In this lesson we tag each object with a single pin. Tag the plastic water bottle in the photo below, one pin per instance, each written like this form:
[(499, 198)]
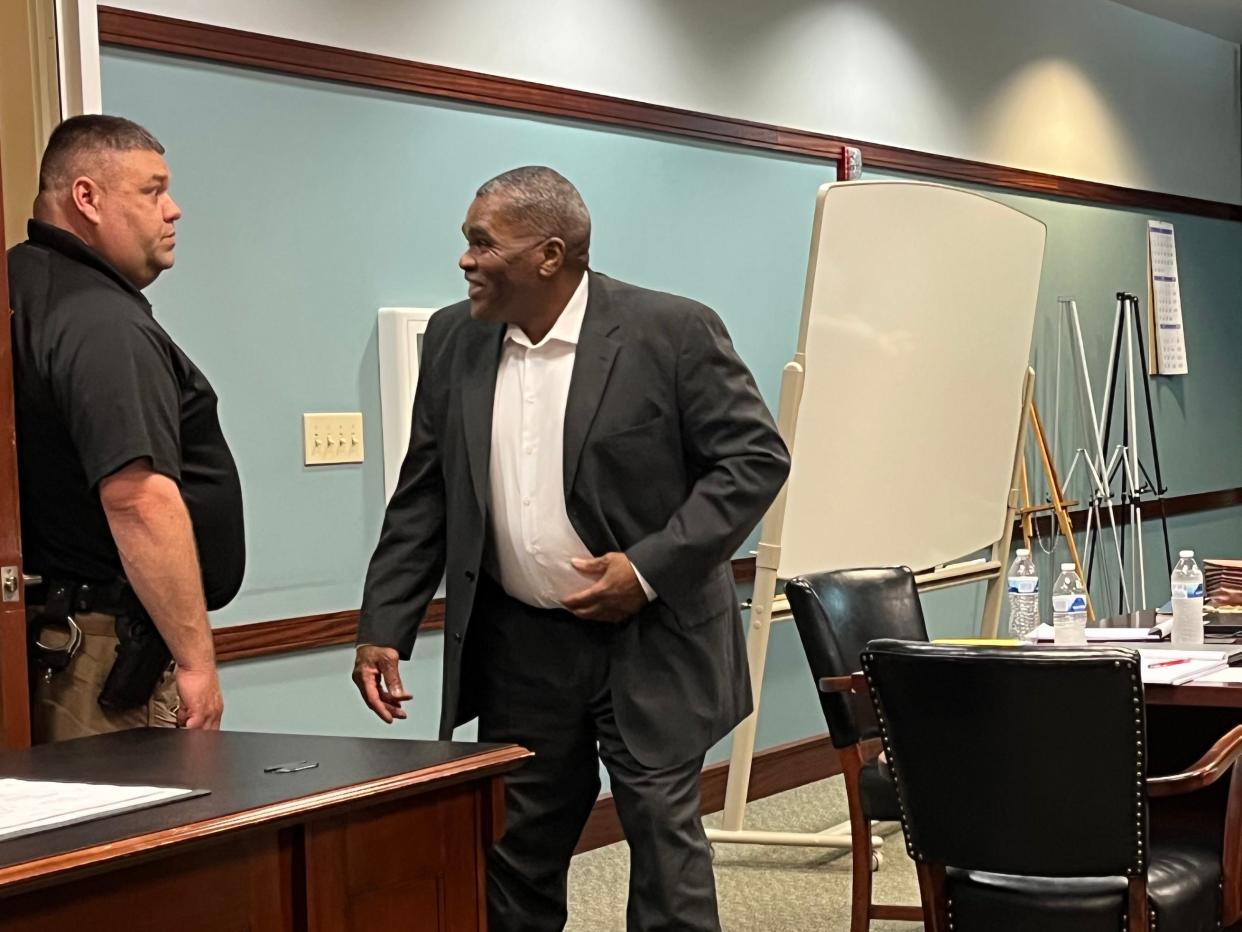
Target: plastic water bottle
[(1023, 595), (1069, 608), (1186, 585)]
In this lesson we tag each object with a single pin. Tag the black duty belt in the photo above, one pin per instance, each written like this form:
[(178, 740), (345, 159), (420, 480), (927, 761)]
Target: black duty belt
[(67, 597), (142, 657), (59, 600)]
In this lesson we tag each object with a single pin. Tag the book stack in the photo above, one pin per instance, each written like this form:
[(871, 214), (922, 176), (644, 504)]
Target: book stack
[(1222, 582)]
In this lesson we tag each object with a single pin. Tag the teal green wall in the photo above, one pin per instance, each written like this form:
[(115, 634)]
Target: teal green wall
[(310, 205)]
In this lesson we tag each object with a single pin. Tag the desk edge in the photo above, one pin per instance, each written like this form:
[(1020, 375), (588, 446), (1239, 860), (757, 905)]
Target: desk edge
[(18, 878)]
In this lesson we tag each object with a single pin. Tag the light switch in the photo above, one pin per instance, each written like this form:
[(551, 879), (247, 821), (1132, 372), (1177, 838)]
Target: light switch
[(332, 438)]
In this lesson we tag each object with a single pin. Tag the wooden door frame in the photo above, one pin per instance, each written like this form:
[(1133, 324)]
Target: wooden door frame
[(14, 675)]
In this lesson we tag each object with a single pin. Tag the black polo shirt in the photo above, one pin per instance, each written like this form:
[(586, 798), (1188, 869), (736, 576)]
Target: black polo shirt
[(99, 384)]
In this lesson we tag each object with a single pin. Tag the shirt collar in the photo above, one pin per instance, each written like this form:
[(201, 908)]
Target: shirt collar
[(71, 247), (568, 325)]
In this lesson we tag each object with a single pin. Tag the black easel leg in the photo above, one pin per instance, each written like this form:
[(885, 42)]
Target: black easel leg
[(1151, 430)]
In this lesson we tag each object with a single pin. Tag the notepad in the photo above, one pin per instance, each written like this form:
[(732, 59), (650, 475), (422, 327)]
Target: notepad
[(28, 806), (1173, 667)]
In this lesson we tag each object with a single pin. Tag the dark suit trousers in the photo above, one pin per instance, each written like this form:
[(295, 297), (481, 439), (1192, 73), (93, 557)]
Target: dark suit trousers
[(542, 681)]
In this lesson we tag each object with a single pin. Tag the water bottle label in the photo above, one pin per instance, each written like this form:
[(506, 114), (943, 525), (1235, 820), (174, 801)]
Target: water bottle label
[(1070, 603), (1187, 590), (1023, 585)]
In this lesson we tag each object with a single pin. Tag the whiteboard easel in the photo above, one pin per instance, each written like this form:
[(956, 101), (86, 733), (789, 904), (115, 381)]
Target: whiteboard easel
[(904, 410)]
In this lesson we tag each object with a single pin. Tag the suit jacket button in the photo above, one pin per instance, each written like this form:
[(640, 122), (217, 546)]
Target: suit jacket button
[(470, 575), (457, 637)]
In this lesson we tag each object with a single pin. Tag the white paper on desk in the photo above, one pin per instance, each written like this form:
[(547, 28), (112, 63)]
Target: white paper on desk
[(1045, 632), (1226, 675), (1165, 302), (1190, 665), (28, 806)]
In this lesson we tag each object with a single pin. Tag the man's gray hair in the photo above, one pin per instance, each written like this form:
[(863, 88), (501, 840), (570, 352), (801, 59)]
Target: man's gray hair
[(547, 202), (81, 140)]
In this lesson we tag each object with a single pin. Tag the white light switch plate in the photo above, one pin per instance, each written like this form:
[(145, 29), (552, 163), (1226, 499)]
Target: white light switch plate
[(332, 438)]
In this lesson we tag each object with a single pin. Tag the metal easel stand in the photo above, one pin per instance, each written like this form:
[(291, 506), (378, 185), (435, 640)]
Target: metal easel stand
[(767, 607), (1093, 460), (1124, 464)]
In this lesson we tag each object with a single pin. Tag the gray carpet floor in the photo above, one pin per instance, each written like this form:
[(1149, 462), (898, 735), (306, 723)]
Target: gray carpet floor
[(761, 888)]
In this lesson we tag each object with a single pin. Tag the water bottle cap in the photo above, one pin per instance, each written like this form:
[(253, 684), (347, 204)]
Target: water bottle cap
[(1185, 553), (1022, 552), (1066, 567)]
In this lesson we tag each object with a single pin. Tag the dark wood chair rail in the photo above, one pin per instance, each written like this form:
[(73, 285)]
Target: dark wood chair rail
[(288, 56)]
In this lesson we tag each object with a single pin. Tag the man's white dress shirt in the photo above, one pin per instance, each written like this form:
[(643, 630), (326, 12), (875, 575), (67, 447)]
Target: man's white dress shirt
[(533, 538)]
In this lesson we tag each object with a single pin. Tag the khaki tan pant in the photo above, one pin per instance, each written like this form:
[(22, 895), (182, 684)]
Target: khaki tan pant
[(66, 704)]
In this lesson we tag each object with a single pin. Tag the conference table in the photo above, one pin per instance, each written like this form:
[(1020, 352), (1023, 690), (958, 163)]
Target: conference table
[(1223, 696), (295, 833)]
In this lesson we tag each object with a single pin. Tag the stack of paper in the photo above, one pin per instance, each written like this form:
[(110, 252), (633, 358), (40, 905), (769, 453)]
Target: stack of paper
[(28, 806), (1176, 667), (1222, 580)]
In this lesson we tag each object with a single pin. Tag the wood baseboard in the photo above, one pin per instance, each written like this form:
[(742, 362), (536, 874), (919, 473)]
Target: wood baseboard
[(774, 770)]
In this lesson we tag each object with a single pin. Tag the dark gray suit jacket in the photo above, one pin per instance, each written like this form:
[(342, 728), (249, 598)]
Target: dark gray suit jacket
[(670, 455)]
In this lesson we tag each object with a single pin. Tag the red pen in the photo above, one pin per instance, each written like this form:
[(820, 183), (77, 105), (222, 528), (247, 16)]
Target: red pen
[(1169, 663)]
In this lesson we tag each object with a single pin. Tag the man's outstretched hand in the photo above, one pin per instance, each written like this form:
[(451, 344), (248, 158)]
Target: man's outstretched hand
[(376, 676), (614, 596)]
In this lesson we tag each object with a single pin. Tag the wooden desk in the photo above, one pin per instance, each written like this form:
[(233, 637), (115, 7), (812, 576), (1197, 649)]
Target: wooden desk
[(383, 834), (1210, 696)]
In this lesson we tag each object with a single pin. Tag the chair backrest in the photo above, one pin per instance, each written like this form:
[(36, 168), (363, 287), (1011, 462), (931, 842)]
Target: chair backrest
[(837, 613), (1016, 760)]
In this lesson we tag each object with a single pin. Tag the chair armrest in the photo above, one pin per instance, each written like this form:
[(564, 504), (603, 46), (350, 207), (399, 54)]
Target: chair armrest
[(1231, 856), (836, 684), (1204, 772), (854, 683)]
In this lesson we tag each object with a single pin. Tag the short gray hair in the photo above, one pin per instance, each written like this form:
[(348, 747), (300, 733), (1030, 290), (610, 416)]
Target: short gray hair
[(546, 201), (89, 136)]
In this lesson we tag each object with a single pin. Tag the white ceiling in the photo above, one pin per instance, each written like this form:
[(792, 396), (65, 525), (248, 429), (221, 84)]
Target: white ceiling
[(1218, 17)]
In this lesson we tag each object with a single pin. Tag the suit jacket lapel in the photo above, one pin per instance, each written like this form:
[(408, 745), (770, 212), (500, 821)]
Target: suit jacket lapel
[(597, 348), (478, 396)]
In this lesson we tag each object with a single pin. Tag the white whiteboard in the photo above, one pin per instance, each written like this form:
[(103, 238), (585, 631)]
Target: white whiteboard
[(916, 327), (400, 332)]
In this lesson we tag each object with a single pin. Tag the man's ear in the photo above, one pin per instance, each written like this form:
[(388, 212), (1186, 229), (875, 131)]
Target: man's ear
[(552, 256), (87, 195)]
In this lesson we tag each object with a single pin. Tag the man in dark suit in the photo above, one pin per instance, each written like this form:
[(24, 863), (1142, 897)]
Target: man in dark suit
[(585, 458)]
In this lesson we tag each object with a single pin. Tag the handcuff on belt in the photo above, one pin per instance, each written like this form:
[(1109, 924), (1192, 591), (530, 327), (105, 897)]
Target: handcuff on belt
[(57, 611)]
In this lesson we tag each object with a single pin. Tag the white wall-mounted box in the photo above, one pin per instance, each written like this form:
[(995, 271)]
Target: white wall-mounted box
[(400, 338)]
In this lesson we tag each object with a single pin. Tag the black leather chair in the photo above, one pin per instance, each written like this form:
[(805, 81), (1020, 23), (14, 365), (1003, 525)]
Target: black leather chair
[(1023, 787), (837, 613)]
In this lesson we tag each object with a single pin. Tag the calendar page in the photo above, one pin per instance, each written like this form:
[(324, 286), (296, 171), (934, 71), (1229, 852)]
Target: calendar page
[(1168, 338)]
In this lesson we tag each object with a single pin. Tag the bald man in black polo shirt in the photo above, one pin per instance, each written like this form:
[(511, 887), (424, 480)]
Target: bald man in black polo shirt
[(131, 502)]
